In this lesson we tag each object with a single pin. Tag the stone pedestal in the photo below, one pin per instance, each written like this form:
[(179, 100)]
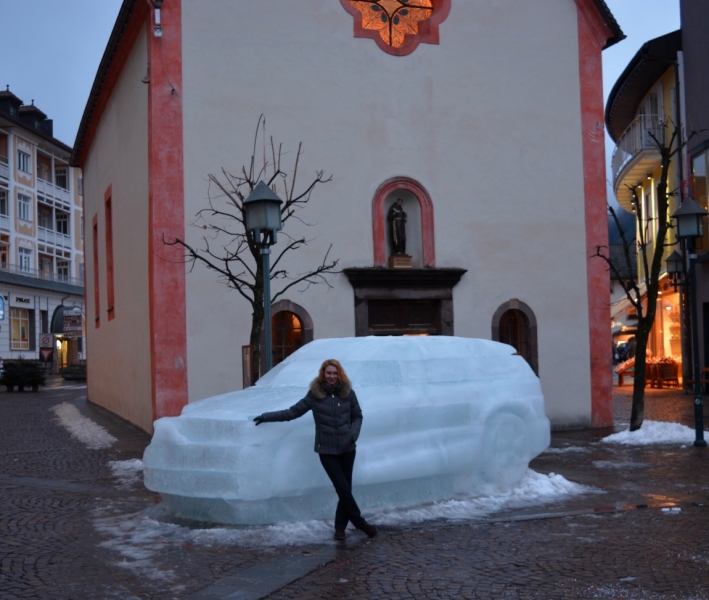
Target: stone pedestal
[(400, 261)]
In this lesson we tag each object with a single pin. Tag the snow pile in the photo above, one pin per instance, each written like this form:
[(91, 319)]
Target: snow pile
[(127, 472), (653, 432), (85, 430), (139, 537), (533, 490)]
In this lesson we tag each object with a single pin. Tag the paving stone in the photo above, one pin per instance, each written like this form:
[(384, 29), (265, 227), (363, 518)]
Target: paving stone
[(54, 492)]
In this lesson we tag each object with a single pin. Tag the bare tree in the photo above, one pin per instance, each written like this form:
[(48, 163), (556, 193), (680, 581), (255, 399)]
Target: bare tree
[(227, 249), (651, 259)]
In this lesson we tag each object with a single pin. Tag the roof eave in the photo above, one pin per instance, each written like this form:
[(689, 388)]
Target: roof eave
[(654, 53), (611, 23)]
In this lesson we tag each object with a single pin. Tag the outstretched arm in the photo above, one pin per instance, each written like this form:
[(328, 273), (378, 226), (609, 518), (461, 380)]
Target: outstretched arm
[(295, 411)]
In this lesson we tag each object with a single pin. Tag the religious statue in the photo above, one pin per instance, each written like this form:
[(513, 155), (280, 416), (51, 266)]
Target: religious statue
[(397, 222)]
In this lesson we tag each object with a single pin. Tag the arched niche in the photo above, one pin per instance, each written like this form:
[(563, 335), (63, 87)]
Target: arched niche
[(506, 312), (412, 192), (300, 312)]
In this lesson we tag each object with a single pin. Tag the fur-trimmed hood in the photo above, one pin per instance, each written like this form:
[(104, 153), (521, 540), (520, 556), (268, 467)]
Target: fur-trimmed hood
[(319, 393)]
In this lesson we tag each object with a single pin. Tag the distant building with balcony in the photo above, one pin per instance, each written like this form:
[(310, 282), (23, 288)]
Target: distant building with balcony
[(644, 108), (695, 66), (41, 239)]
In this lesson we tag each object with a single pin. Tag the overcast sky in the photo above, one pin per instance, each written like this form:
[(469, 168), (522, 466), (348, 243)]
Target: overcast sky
[(52, 48)]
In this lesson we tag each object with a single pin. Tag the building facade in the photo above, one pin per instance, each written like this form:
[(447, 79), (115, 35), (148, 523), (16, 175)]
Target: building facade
[(643, 109), (694, 16), (464, 110), (41, 243), (665, 87)]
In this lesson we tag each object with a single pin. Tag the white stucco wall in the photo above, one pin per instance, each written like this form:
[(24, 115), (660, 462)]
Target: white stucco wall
[(488, 122), (119, 363)]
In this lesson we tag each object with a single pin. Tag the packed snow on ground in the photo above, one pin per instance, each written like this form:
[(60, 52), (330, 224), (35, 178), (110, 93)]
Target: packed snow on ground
[(127, 472), (609, 464), (566, 450), (653, 432), (83, 429), (140, 538)]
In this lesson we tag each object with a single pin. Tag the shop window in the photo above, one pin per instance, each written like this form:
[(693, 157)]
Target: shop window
[(19, 329), (286, 335)]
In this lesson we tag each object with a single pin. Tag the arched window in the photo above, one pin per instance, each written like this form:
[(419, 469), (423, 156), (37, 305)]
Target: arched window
[(514, 330), (286, 335), (514, 323)]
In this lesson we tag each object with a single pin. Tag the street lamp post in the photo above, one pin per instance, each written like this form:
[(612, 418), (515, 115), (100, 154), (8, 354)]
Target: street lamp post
[(690, 218), (262, 217)]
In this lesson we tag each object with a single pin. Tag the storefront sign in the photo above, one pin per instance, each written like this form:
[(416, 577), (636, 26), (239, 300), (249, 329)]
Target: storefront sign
[(2, 308), (72, 323), (20, 300)]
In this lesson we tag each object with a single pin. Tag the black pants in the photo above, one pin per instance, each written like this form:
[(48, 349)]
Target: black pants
[(339, 469)]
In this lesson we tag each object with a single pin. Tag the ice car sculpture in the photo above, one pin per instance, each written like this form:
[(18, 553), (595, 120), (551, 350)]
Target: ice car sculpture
[(443, 417)]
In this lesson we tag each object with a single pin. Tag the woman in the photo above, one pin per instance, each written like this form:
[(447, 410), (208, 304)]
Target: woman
[(338, 419)]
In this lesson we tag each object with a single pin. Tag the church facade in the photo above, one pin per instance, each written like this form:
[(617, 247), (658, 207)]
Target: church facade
[(472, 130)]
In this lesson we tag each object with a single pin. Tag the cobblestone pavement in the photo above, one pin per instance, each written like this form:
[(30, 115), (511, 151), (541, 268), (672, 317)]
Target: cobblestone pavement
[(73, 529)]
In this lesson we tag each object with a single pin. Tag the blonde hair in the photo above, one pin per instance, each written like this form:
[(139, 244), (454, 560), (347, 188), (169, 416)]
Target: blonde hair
[(341, 375)]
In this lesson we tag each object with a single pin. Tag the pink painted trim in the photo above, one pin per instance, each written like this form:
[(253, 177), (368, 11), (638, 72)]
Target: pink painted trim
[(97, 292), (428, 29), (379, 219), (593, 34), (108, 218), (168, 312)]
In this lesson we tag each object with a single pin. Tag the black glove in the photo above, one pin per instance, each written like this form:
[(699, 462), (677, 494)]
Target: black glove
[(258, 420)]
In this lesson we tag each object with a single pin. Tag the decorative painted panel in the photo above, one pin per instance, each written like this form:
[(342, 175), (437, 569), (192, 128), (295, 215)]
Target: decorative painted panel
[(398, 26)]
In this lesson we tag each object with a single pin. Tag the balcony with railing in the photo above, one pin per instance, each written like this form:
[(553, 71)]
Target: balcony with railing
[(49, 190), (636, 154), (53, 238), (5, 224), (45, 274), (4, 168)]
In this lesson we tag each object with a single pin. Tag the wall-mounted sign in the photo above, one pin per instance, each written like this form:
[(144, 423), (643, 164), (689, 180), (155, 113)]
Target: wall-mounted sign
[(2, 308), (72, 322), (21, 300)]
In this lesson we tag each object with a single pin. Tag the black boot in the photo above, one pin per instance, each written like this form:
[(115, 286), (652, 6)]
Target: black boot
[(370, 530), (340, 535)]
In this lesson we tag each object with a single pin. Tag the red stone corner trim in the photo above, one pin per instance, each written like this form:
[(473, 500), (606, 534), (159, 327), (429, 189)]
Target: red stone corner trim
[(427, 29), (168, 312), (593, 34), (379, 219)]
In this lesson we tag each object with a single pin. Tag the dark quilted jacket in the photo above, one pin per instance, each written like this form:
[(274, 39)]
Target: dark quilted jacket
[(337, 415)]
